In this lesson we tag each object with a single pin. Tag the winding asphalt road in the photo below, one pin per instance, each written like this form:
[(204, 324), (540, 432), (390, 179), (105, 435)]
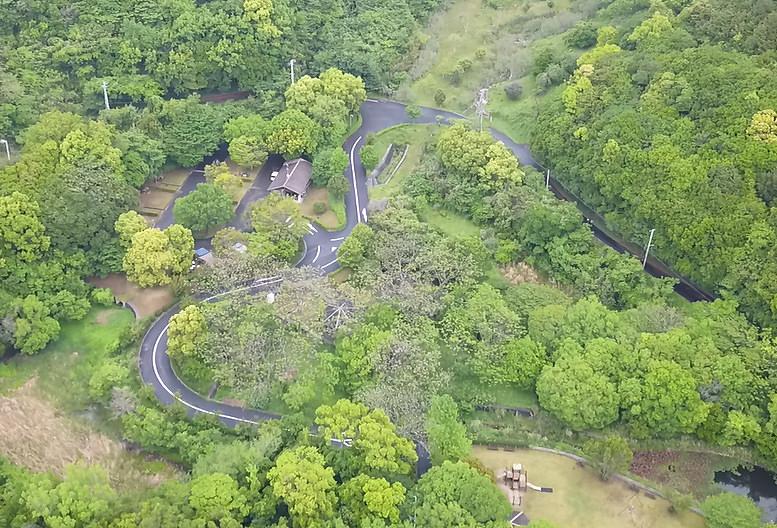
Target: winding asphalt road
[(320, 250)]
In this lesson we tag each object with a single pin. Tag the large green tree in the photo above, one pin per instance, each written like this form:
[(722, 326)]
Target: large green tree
[(205, 208)]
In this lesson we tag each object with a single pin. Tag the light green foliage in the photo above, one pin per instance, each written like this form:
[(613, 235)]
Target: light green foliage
[(127, 225), (369, 156), (279, 226), (359, 351), (376, 445), (34, 326), (109, 374), (447, 436), (187, 332), (477, 159), (22, 234), (357, 247), (366, 499), (216, 498), (728, 510), (457, 493), (251, 125), (191, 130), (292, 133), (305, 484), (155, 257), (665, 402), (230, 184), (609, 455), (206, 207), (740, 429), (328, 164), (576, 394), (248, 151), (763, 126), (83, 498)]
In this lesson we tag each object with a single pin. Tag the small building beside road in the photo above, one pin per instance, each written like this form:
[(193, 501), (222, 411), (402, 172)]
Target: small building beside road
[(292, 179)]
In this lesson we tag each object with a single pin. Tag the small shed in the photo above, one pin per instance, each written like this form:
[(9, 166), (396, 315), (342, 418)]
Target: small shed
[(203, 256), (292, 179)]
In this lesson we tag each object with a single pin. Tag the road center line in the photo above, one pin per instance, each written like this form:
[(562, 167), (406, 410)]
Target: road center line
[(318, 252)]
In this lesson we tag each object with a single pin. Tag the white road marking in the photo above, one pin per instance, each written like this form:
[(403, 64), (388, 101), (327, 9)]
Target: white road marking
[(310, 226), (328, 264), (334, 248), (304, 252), (372, 101), (270, 280), (353, 178), (338, 238), (318, 251)]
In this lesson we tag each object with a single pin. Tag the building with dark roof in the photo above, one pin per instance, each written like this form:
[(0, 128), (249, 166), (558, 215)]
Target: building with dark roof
[(292, 179)]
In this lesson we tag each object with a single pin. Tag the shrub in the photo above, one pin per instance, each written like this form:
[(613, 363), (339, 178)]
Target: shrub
[(413, 111), (369, 157), (480, 52), (319, 208), (439, 97), (464, 65), (513, 90), (731, 511), (582, 36), (102, 296)]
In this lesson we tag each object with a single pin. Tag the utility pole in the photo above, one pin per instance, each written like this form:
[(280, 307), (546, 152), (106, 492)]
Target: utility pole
[(105, 95), (480, 105), (7, 149), (647, 250), (291, 64)]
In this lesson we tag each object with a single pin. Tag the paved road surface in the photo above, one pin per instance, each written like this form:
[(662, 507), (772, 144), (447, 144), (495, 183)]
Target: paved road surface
[(320, 250)]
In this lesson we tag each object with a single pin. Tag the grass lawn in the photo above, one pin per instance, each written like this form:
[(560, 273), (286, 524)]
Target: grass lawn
[(333, 218), (418, 137), (580, 499), (450, 223)]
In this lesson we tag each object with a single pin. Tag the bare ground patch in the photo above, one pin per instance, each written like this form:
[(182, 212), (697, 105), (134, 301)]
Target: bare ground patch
[(36, 435), (144, 301)]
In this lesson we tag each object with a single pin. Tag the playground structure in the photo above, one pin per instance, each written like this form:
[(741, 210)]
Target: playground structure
[(516, 480)]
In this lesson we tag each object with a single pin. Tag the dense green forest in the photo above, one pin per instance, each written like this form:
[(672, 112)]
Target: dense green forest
[(669, 123), (58, 54), (470, 287)]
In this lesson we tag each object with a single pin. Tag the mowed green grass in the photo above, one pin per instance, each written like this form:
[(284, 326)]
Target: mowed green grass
[(580, 499), (418, 137), (63, 368)]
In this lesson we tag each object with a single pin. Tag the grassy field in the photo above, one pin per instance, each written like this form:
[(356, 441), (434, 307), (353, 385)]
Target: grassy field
[(490, 43), (418, 138), (333, 218), (580, 499), (64, 367), (48, 420)]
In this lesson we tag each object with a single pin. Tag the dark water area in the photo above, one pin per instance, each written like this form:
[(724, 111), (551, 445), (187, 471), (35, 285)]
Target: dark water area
[(756, 483)]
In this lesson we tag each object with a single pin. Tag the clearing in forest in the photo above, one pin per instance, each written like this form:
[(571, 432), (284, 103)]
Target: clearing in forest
[(36, 435), (580, 499)]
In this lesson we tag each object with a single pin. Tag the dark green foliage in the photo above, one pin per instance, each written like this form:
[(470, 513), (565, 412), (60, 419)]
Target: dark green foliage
[(582, 36), (663, 135), (205, 208), (513, 90)]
